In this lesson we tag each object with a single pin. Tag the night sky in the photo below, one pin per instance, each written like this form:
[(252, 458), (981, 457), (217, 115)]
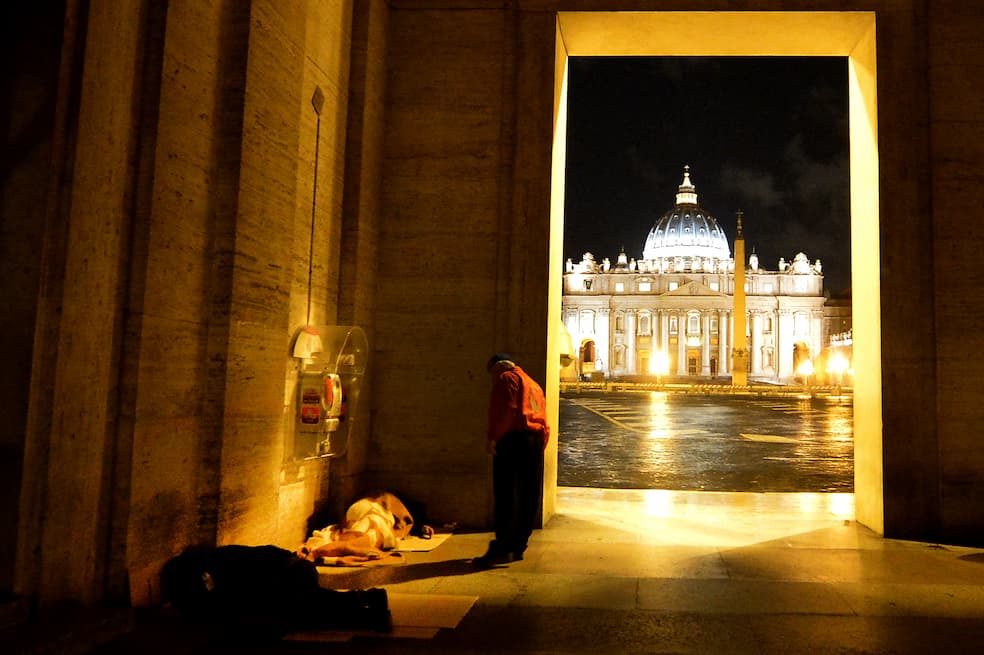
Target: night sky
[(766, 135)]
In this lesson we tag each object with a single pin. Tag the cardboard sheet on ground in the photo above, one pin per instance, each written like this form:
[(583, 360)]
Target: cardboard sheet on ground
[(393, 558), (333, 564), (421, 545), (415, 616)]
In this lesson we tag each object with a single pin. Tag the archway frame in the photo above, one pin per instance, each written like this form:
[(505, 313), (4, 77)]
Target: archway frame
[(723, 34)]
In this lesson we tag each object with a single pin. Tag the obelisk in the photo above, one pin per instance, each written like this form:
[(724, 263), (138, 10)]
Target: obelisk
[(739, 343)]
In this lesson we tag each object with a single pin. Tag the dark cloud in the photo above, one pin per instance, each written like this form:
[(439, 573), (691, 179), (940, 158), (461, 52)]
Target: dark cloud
[(757, 188)]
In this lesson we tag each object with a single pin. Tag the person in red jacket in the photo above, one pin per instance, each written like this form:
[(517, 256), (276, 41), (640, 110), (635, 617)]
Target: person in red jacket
[(517, 436)]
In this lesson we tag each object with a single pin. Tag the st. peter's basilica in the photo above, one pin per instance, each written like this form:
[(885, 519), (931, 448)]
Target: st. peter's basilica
[(670, 312)]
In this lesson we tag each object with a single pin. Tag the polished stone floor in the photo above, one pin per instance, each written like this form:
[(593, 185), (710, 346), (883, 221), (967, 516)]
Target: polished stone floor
[(627, 571)]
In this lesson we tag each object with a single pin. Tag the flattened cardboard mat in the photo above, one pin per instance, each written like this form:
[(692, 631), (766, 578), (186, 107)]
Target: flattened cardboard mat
[(415, 616), (421, 545), (395, 557)]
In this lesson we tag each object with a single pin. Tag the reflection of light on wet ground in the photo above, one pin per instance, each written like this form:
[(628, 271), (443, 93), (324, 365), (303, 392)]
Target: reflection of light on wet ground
[(708, 517), (841, 505), (767, 438), (658, 502), (656, 440)]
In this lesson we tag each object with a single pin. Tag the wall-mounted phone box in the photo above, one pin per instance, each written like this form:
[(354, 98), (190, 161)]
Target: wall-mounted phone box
[(332, 369)]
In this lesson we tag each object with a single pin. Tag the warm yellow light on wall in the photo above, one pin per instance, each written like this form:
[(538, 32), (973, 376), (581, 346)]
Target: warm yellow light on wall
[(807, 33)]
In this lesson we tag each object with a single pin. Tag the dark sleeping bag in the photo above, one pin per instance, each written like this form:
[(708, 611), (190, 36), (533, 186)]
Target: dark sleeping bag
[(265, 590)]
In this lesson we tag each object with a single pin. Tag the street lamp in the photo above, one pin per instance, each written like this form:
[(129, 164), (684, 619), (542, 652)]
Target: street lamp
[(806, 370), (836, 366), (659, 365)]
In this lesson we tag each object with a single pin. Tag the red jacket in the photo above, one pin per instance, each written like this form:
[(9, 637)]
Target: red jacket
[(517, 403)]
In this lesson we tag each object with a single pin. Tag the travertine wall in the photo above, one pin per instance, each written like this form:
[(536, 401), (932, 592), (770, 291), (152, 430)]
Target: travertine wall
[(360, 227), (955, 100), (174, 267), (26, 144), (463, 243), (444, 165), (186, 276), (927, 490)]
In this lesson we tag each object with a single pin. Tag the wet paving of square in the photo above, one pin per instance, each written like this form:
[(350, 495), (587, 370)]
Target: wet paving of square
[(655, 440)]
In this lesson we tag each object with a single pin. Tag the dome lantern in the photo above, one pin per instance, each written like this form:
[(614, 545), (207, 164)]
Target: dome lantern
[(686, 192), (687, 233)]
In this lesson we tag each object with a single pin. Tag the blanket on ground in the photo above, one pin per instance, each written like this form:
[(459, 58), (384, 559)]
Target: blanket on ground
[(373, 527)]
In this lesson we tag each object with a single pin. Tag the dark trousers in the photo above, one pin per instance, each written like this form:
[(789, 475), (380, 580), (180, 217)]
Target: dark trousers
[(517, 472)]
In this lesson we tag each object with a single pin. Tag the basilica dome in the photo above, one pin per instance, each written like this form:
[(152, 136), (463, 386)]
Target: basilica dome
[(687, 234)]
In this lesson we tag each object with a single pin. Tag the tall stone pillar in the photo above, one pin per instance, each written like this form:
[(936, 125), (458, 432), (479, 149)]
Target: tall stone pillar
[(739, 364)]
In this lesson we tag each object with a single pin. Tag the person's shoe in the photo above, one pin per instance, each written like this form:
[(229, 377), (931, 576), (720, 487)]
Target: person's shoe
[(489, 561), (494, 557)]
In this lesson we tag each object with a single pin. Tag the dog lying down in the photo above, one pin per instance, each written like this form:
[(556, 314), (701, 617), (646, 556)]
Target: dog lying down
[(373, 526)]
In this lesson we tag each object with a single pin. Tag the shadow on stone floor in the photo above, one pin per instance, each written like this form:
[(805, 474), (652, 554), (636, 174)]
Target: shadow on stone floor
[(362, 578)]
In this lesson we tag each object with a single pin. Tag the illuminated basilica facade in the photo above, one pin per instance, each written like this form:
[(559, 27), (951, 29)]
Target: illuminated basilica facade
[(671, 312)]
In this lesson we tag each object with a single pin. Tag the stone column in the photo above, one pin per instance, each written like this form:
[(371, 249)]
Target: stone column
[(784, 344), (816, 332), (664, 332), (705, 343), (603, 341), (630, 341), (755, 343), (723, 364), (681, 343), (774, 315)]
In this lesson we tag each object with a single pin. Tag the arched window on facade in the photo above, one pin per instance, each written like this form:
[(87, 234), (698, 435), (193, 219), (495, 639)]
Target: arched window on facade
[(801, 324), (693, 323), (587, 322), (768, 359), (643, 324), (619, 323)]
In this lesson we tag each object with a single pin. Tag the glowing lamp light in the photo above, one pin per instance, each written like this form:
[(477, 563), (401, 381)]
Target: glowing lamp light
[(837, 365), (806, 368), (659, 364)]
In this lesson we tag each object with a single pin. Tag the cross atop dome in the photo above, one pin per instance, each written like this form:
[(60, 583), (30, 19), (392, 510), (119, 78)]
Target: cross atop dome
[(687, 192)]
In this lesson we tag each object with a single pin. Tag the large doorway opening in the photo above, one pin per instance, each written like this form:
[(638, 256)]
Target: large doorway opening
[(829, 34)]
